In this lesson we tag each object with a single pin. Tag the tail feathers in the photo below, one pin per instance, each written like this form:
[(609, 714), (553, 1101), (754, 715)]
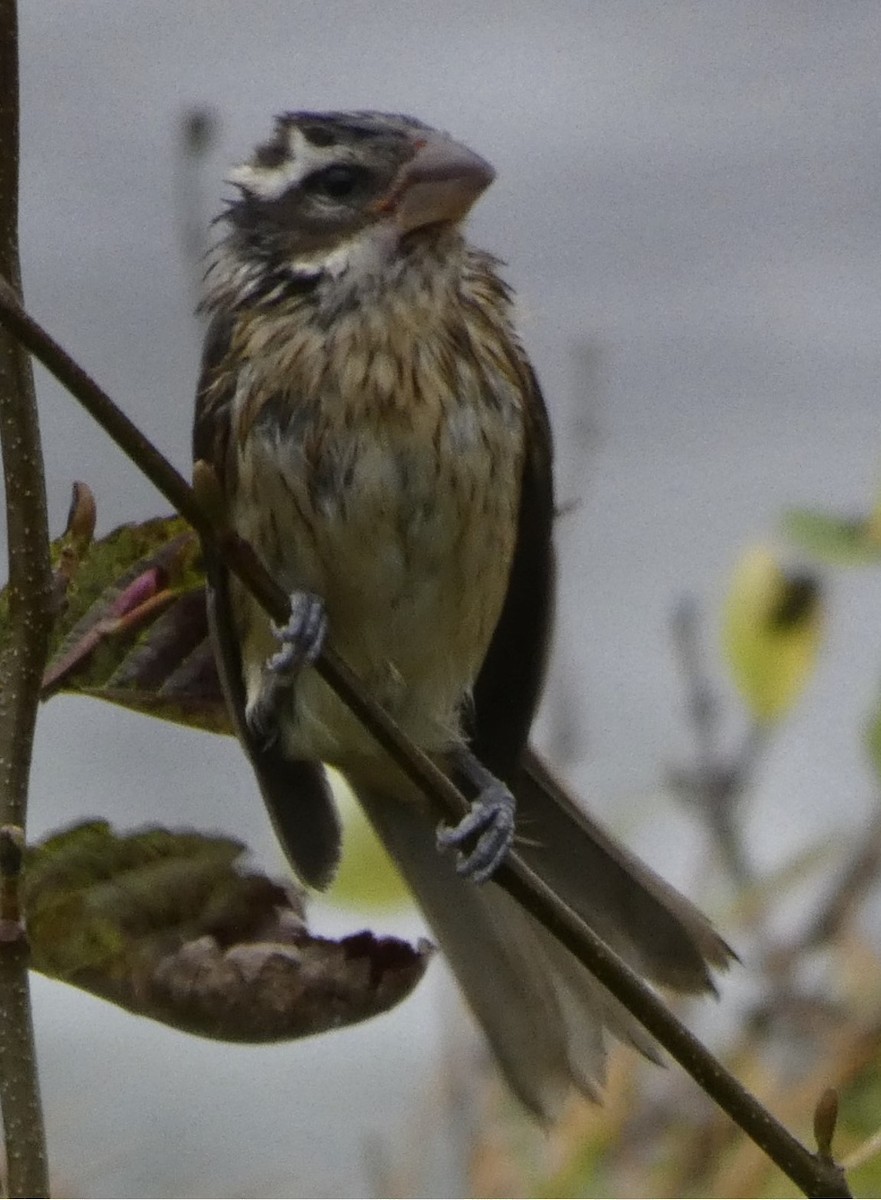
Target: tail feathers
[(541, 1010), (543, 1013), (495, 952), (647, 922)]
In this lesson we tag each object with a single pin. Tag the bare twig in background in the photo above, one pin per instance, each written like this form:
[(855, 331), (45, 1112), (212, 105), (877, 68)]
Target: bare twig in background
[(197, 134), (22, 659), (715, 786), (814, 1175), (858, 877)]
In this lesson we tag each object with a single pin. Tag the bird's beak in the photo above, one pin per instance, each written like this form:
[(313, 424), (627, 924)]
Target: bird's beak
[(439, 183)]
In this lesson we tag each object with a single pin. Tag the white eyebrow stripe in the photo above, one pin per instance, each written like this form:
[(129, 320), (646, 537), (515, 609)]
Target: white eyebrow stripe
[(269, 183)]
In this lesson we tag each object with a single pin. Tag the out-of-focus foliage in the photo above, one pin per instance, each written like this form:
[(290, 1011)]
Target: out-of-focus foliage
[(834, 540), (772, 633), (837, 541), (667, 1141), (873, 740)]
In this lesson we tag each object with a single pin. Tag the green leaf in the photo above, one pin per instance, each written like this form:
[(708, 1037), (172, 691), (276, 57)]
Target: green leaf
[(772, 633), (837, 541), (167, 925), (873, 740)]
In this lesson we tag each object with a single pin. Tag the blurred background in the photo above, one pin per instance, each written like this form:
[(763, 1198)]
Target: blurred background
[(688, 201)]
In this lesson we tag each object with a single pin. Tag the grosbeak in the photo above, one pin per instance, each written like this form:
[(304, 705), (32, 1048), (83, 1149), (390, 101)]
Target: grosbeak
[(383, 445)]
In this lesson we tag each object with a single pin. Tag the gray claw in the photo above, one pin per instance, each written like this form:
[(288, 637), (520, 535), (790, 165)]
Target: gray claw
[(302, 638), (262, 715), (491, 821)]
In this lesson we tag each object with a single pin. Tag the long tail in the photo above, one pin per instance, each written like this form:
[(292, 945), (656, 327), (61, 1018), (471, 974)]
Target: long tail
[(542, 1011)]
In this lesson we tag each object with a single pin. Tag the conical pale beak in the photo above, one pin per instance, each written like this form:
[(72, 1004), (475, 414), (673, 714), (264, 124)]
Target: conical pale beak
[(440, 183)]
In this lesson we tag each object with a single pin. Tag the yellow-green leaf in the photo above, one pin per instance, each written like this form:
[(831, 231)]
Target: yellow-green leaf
[(772, 633)]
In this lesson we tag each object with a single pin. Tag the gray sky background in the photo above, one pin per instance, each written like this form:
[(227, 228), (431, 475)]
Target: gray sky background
[(688, 193)]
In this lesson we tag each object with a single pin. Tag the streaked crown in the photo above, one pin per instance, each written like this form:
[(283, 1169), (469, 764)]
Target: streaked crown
[(340, 192)]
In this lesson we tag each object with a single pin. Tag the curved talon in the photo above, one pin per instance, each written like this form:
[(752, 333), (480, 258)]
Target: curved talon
[(491, 821), (302, 640), (262, 715)]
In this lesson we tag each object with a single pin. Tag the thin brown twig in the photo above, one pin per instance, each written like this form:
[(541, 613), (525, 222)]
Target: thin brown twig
[(814, 1175), (858, 876), (22, 659), (715, 786)]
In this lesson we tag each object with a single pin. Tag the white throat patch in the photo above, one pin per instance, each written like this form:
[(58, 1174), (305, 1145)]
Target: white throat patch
[(363, 256)]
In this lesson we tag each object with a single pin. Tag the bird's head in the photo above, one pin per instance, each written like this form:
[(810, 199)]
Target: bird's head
[(341, 193)]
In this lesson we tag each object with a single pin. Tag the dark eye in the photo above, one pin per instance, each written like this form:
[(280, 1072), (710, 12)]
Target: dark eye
[(337, 182), (319, 135)]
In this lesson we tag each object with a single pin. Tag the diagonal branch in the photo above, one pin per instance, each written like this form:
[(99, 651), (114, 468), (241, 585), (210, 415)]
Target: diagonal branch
[(814, 1174)]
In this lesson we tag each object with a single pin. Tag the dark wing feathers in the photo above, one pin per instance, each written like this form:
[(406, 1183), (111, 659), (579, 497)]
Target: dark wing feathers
[(297, 795), (645, 920), (508, 688)]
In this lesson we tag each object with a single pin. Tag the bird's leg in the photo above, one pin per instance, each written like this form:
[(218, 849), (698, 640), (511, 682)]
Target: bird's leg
[(490, 821), (301, 640)]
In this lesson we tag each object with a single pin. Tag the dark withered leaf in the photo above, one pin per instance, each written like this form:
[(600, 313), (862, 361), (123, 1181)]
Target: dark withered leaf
[(166, 924), (131, 625)]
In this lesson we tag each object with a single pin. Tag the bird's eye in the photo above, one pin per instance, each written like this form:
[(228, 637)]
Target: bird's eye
[(337, 182)]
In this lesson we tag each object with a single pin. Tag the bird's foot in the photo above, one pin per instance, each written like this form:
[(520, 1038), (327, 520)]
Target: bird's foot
[(301, 641), (302, 637), (490, 821)]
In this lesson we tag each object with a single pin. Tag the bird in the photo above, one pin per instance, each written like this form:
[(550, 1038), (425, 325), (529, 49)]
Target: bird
[(381, 441)]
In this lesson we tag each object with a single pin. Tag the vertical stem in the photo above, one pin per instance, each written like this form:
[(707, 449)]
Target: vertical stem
[(22, 658)]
